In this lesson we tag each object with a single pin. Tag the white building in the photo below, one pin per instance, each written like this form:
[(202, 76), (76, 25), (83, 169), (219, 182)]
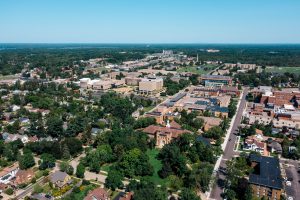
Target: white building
[(8, 173)]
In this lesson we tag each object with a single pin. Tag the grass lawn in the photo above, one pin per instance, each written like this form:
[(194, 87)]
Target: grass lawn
[(284, 69), (83, 191), (105, 167), (146, 109), (194, 69), (157, 165)]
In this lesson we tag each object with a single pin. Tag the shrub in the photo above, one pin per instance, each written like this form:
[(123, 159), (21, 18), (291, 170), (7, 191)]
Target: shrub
[(33, 180), (85, 182), (9, 191)]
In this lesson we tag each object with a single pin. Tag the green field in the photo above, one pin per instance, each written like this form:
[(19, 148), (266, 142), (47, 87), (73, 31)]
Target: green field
[(205, 70), (282, 70), (157, 165)]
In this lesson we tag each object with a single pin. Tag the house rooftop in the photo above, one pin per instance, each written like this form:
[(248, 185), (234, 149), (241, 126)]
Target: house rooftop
[(58, 176)]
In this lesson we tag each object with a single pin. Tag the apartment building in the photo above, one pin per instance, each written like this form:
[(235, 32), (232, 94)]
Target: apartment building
[(265, 180)]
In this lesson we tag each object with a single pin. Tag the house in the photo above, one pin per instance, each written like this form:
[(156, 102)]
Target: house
[(294, 133), (255, 142), (60, 179), (8, 173), (13, 137), (164, 135), (24, 121), (252, 144), (95, 131), (265, 180), (24, 176), (125, 196), (275, 147), (97, 194), (275, 131)]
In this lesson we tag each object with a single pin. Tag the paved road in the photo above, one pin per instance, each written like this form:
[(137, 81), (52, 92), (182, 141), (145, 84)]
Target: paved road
[(229, 149)]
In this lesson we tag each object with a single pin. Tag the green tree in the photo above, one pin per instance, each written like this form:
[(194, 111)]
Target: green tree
[(114, 180), (147, 190), (66, 167), (9, 191), (54, 126), (26, 160), (47, 161), (188, 194), (80, 170), (135, 162)]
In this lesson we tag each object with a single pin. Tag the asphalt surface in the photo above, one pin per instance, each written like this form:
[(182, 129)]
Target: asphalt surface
[(229, 150), (291, 168)]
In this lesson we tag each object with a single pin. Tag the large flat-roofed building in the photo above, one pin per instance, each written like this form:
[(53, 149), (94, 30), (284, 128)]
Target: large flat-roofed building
[(133, 81), (99, 84), (215, 80), (150, 85), (266, 180)]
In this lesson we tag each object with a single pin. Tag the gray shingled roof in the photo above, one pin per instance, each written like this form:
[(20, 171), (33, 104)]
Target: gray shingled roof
[(58, 176)]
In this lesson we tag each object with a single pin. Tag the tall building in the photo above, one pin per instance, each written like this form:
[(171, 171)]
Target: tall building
[(150, 85)]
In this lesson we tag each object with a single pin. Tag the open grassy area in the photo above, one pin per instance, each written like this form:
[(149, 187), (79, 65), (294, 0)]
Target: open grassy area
[(282, 70), (146, 109), (157, 165), (205, 69), (105, 167)]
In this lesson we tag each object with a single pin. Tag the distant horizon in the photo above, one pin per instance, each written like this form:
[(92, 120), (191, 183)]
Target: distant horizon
[(145, 43)]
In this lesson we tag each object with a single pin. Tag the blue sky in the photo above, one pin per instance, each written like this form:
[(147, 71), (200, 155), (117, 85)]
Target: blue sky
[(150, 21)]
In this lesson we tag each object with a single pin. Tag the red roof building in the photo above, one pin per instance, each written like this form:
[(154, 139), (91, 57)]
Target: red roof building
[(164, 135)]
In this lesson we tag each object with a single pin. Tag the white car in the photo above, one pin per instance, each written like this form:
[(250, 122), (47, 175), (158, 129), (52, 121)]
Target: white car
[(288, 183)]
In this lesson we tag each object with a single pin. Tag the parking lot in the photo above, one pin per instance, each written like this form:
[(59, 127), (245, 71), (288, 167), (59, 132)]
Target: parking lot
[(293, 177)]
